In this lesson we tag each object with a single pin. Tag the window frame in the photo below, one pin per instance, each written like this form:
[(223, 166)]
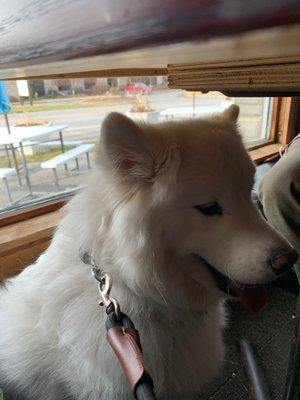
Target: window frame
[(33, 211), (284, 122)]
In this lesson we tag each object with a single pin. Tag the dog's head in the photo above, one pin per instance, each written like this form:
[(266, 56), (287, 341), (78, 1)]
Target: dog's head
[(181, 195)]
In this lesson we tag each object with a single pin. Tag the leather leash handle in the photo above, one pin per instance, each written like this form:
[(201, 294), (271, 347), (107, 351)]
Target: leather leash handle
[(125, 342)]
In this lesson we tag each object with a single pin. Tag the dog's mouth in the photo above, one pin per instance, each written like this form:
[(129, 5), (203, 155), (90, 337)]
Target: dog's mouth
[(253, 297)]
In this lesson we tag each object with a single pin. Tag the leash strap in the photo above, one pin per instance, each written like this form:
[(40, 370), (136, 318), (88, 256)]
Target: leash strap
[(125, 342)]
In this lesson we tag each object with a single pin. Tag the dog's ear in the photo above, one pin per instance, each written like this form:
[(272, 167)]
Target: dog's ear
[(232, 113), (126, 147)]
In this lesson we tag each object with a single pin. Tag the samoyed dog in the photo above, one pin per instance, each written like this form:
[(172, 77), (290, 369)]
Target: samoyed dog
[(168, 213)]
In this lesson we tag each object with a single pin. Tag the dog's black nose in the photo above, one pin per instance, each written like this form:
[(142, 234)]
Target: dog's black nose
[(283, 262)]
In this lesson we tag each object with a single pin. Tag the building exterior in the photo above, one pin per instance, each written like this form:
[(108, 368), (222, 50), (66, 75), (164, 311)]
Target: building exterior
[(61, 87)]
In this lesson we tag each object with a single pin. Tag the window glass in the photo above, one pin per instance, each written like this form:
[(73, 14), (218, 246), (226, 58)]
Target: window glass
[(49, 131)]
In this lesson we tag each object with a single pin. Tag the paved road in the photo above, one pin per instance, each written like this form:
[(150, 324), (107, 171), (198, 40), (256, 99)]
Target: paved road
[(85, 123)]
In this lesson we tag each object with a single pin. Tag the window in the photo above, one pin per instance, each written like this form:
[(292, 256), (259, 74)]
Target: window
[(255, 118), (56, 127)]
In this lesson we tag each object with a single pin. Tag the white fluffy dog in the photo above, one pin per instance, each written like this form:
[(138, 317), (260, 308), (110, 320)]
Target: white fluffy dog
[(167, 212)]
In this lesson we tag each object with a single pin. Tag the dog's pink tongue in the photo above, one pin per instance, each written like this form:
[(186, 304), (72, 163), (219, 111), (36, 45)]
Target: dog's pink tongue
[(254, 299)]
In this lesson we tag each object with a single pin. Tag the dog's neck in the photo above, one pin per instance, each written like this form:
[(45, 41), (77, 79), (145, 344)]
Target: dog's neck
[(141, 268), (151, 289)]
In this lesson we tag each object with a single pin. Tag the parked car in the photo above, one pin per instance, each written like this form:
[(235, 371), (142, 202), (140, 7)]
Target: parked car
[(65, 92), (137, 87)]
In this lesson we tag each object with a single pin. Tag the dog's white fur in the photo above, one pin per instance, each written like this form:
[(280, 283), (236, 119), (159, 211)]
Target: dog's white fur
[(137, 216)]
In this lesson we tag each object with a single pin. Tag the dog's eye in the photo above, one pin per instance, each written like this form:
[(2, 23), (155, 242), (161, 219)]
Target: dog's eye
[(212, 208)]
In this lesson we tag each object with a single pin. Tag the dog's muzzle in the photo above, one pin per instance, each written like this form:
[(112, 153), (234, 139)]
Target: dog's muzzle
[(253, 297)]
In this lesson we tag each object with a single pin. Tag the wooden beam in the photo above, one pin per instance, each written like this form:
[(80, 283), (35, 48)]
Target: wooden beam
[(289, 119), (260, 74)]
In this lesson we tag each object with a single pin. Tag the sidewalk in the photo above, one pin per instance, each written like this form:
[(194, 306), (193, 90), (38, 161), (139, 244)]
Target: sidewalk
[(42, 181)]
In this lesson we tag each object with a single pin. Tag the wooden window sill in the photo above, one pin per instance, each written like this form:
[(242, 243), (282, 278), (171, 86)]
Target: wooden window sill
[(22, 242), (262, 153)]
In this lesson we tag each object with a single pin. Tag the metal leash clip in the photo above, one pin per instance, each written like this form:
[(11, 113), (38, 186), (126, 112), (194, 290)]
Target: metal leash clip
[(105, 285)]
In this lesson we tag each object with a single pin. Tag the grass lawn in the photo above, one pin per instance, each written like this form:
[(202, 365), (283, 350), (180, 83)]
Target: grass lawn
[(18, 108), (43, 156), (33, 158)]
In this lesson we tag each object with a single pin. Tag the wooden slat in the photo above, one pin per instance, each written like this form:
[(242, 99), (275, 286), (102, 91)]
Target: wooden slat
[(253, 62), (281, 74)]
